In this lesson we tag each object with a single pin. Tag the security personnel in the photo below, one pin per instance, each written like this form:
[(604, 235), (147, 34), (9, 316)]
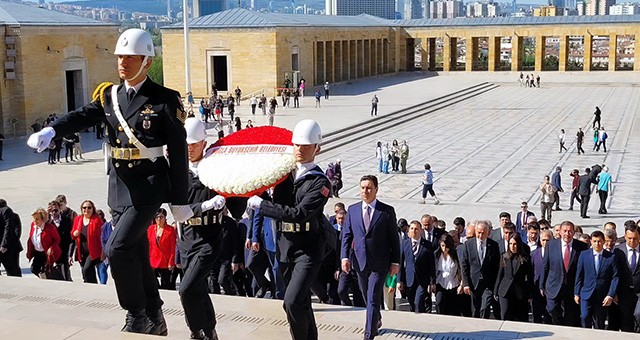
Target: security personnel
[(142, 118), (297, 206), (200, 240)]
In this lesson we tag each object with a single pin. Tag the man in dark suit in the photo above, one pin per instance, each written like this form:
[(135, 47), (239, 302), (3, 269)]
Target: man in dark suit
[(498, 234), (508, 231), (521, 218), (417, 268), (64, 225), (596, 282), (480, 264), (539, 303), (627, 255), (584, 190), (142, 118), (10, 246), (559, 276), (347, 282), (430, 232), (371, 227)]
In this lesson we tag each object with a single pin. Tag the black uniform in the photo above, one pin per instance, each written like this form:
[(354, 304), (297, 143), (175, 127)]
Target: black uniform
[(10, 230), (300, 252), (138, 187)]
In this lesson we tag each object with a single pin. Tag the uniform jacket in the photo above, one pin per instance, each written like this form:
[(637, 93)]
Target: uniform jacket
[(145, 182), (602, 284), (376, 249), (300, 201), (629, 281), (473, 271), (94, 234), (232, 246), (554, 275), (162, 252), (515, 278), (420, 269), (9, 227), (49, 239)]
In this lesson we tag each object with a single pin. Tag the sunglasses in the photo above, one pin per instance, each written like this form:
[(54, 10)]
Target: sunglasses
[(88, 207)]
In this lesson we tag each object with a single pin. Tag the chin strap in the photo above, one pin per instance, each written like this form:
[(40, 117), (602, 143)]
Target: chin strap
[(144, 63)]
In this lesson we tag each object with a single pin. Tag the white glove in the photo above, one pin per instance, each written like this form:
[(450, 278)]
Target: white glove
[(216, 203), (254, 202), (181, 213), (40, 140)]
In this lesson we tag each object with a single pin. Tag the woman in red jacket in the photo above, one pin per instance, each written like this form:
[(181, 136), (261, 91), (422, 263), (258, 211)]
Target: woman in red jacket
[(86, 232), (43, 245), (162, 248)]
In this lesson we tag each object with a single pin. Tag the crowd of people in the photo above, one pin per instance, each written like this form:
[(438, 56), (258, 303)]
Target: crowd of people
[(396, 155)]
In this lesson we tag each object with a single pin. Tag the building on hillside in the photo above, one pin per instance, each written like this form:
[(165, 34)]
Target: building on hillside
[(380, 8), (52, 63), (599, 7), (440, 9), (625, 9), (548, 11)]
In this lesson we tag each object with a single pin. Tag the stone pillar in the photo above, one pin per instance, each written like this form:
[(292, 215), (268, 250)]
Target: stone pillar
[(432, 54), (588, 45), (517, 52), (424, 51), (494, 54), (613, 52), (636, 52), (446, 53), (563, 54), (471, 53), (541, 42)]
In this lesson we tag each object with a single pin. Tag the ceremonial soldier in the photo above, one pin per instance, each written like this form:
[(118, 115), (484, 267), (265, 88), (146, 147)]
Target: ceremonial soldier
[(200, 240), (142, 118), (297, 206)]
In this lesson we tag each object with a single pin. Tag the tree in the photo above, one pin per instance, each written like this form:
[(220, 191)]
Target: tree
[(155, 71)]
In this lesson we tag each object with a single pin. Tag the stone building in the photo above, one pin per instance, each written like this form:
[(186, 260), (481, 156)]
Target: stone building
[(52, 63)]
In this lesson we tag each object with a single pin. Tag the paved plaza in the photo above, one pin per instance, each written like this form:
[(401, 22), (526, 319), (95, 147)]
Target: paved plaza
[(488, 154)]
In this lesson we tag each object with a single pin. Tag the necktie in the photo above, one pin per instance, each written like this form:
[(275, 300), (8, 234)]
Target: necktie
[(130, 94), (567, 257), (634, 261), (597, 263), (414, 248), (367, 218), (481, 251)]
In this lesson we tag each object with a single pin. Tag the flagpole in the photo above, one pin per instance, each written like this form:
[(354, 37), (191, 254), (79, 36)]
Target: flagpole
[(187, 59)]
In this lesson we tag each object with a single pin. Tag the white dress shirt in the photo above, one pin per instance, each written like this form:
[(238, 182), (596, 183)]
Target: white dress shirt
[(36, 239), (533, 245), (446, 270), (136, 87)]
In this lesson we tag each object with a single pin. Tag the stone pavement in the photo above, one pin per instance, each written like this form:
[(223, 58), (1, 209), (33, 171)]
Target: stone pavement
[(36, 309)]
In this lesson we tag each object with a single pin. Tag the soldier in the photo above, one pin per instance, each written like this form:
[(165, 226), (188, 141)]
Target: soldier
[(200, 240), (297, 206), (142, 118)]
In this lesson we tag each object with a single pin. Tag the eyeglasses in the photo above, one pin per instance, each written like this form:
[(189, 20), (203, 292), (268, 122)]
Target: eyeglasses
[(54, 210), (87, 207)]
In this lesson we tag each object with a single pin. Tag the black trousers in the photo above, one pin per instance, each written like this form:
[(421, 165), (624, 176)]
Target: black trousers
[(299, 276), (580, 149), (574, 197), (10, 260), (539, 309), (629, 310), (349, 282), (447, 302), (165, 278), (90, 270), (68, 152), (481, 303), (128, 250), (514, 309), (258, 263), (603, 201), (225, 278), (584, 204), (194, 295), (38, 262)]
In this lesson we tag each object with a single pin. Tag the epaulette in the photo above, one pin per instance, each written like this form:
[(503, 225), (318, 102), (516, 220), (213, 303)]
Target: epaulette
[(98, 93)]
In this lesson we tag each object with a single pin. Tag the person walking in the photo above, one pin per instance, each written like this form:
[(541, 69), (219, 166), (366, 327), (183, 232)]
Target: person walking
[(137, 107), (374, 105), (297, 205), (556, 181), (596, 118), (10, 246), (547, 196), (417, 268), (317, 95), (514, 285), (561, 139), (162, 248), (602, 140), (395, 155), (263, 104), (326, 90), (427, 184), (87, 246), (379, 155), (574, 187), (253, 102), (273, 104), (404, 156), (580, 140), (604, 188), (596, 138), (386, 156), (584, 190)]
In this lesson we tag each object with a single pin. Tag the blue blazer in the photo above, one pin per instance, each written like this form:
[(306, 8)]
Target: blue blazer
[(538, 265), (376, 249), (603, 284), (554, 274), (422, 268), (263, 231)]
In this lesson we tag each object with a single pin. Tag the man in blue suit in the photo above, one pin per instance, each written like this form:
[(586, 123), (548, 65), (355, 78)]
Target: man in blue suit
[(596, 282), (371, 227), (264, 234), (539, 303), (559, 276), (417, 268), (521, 219)]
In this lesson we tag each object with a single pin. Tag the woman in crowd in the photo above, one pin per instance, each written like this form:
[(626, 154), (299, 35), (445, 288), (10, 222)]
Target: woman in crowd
[(87, 230), (514, 285), (395, 155), (238, 124), (379, 155), (162, 248), (427, 184), (43, 245), (386, 156), (448, 277)]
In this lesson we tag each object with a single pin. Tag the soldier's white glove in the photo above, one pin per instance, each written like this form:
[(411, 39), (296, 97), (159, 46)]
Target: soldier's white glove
[(216, 203), (181, 213), (40, 140), (254, 202)]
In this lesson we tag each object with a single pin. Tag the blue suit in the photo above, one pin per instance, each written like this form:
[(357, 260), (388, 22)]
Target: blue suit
[(592, 287), (375, 250), (264, 233), (417, 272), (539, 303)]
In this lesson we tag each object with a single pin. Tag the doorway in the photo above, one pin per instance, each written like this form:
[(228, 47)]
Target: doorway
[(220, 72), (75, 96)]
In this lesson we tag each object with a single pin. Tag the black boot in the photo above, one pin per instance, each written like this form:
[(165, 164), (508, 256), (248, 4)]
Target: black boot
[(137, 322), (159, 324)]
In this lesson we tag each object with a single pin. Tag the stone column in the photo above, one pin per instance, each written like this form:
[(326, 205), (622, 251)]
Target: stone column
[(432, 54), (446, 53), (471, 54), (563, 54), (424, 51), (636, 53), (613, 52), (494, 54), (588, 45), (541, 42), (517, 53)]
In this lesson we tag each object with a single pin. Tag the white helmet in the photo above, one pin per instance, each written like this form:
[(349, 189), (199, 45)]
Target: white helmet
[(196, 131), (135, 41), (306, 132)]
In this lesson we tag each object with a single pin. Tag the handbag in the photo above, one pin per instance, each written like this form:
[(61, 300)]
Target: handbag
[(52, 272)]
